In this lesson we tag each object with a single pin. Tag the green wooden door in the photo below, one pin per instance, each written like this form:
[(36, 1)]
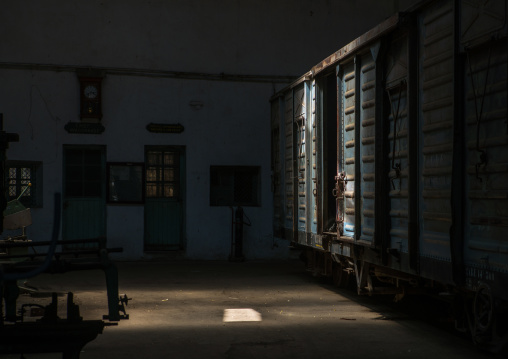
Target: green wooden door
[(84, 203), (164, 198)]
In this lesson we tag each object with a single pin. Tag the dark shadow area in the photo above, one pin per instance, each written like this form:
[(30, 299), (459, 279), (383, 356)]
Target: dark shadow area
[(177, 311)]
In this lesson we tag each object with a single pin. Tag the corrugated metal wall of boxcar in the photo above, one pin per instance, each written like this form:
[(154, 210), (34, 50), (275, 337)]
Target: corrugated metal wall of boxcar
[(347, 166), (358, 151), (314, 183), (436, 61), (396, 90), (367, 132), (300, 123), (288, 165), (277, 175), (486, 96)]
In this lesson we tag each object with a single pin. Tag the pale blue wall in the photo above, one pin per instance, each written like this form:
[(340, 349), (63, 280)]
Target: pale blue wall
[(269, 37)]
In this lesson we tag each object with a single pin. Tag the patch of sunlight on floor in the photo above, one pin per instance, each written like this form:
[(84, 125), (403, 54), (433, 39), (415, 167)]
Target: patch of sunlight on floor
[(241, 315)]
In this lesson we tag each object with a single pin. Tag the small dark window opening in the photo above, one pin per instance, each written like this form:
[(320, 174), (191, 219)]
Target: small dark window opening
[(19, 175), (235, 186), (84, 170)]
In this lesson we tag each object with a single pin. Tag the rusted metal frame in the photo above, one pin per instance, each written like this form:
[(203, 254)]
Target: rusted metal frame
[(458, 166), (412, 123), (306, 77), (358, 154)]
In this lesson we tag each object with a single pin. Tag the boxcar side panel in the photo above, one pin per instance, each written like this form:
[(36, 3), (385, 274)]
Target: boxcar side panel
[(288, 164), (436, 129), (486, 127), (314, 182), (397, 93), (367, 143)]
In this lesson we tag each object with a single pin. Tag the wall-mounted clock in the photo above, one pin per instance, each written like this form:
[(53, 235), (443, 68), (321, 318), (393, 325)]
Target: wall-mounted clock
[(90, 98)]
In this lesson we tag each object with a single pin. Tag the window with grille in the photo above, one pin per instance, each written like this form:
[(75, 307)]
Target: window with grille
[(235, 186), (162, 173), (19, 176)]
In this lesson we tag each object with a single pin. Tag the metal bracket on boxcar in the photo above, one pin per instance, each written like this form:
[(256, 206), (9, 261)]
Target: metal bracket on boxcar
[(340, 184)]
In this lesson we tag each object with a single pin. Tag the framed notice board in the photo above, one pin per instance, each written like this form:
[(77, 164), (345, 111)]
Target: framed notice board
[(126, 183)]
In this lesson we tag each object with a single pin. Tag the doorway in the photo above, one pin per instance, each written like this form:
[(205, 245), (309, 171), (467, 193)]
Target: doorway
[(84, 199), (164, 205)]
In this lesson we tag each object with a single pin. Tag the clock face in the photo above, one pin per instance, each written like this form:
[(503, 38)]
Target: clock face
[(90, 98), (91, 91)]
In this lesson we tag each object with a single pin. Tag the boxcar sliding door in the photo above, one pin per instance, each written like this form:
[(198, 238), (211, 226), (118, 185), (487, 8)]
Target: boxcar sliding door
[(357, 153)]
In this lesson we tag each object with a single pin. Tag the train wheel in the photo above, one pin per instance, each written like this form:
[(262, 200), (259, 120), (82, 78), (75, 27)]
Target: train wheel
[(339, 276), (483, 308)]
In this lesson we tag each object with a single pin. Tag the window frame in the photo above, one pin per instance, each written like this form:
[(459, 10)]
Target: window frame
[(159, 183), (36, 179)]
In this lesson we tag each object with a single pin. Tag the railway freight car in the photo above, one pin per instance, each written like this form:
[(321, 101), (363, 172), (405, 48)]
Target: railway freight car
[(390, 161)]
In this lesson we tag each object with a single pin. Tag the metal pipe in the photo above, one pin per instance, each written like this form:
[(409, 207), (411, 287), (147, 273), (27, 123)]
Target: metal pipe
[(73, 253), (23, 192), (8, 244), (152, 73)]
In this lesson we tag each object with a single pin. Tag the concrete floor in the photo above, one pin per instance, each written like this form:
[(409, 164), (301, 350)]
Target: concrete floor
[(178, 307)]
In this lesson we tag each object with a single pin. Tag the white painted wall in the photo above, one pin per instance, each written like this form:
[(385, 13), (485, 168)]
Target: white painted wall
[(262, 37)]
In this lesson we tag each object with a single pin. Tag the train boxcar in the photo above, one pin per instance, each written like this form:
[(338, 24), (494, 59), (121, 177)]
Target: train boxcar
[(390, 161)]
